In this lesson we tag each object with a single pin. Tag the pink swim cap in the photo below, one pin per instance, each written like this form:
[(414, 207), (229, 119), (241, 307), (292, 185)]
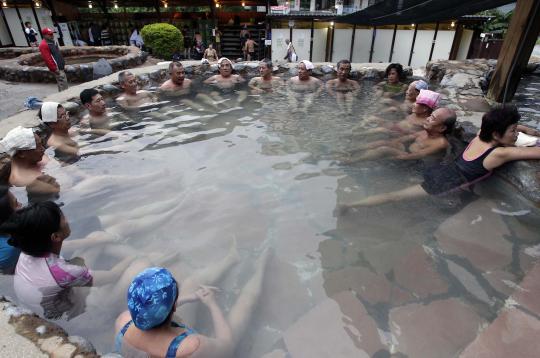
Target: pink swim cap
[(428, 98)]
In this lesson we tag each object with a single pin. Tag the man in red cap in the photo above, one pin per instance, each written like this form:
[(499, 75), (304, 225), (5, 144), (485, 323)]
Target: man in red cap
[(53, 58)]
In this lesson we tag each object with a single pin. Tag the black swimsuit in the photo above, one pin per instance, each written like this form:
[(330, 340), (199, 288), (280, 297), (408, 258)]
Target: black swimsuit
[(460, 174)]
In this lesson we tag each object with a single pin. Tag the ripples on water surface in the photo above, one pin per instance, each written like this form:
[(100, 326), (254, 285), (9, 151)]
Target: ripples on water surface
[(270, 177)]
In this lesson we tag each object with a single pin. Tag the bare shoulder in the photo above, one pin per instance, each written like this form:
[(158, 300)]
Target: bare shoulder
[(121, 321), (166, 84), (189, 345)]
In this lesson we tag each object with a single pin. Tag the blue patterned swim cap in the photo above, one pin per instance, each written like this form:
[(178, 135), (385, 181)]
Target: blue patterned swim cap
[(151, 297), (421, 85)]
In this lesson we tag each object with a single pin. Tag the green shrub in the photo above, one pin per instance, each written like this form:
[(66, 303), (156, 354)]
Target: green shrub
[(164, 39)]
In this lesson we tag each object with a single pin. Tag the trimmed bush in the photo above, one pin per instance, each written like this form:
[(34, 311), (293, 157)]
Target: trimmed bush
[(164, 39)]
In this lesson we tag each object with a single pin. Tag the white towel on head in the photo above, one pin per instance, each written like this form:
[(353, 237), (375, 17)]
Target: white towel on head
[(18, 138), (49, 112), (308, 64), (225, 59)]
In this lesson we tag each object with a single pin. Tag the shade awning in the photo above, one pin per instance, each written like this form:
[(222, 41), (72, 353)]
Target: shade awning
[(402, 12)]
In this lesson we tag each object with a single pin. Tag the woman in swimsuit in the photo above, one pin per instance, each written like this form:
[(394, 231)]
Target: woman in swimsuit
[(147, 329), (494, 146), (392, 87)]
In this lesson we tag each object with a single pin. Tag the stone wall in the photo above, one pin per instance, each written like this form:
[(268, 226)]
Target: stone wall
[(28, 66)]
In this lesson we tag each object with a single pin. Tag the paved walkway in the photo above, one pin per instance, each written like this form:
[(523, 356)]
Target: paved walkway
[(13, 94)]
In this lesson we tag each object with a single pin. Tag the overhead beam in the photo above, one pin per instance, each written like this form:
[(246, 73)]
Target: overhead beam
[(516, 50)]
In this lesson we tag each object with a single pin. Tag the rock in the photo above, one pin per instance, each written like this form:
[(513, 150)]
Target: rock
[(239, 67), (523, 175), (64, 351), (531, 67), (439, 329), (529, 290), (84, 345), (327, 69), (341, 320), (470, 283), (252, 65), (71, 107), (111, 90), (477, 234), (512, 334), (416, 272), (51, 344), (41, 330), (369, 286)]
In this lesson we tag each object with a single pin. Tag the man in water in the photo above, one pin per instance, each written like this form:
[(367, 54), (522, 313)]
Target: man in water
[(97, 120), (304, 88), (178, 82), (342, 84), (266, 82), (225, 78), (53, 58), (54, 116), (425, 103), (429, 141), (342, 88), (131, 97), (27, 161)]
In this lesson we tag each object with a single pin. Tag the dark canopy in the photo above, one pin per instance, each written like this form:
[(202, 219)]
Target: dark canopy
[(401, 12)]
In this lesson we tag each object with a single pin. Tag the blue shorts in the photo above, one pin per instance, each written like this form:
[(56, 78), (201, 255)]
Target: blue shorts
[(9, 256)]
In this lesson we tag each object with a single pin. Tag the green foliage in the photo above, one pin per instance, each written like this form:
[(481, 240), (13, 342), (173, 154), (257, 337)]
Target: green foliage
[(164, 39), (498, 24)]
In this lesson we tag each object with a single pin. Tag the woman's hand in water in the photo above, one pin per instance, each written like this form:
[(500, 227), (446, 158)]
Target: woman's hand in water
[(206, 294)]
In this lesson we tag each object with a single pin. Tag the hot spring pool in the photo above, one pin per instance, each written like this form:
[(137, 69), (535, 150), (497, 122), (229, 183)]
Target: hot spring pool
[(267, 176)]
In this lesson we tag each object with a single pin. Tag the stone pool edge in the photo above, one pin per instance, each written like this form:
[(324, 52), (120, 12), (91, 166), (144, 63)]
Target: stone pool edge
[(26, 334)]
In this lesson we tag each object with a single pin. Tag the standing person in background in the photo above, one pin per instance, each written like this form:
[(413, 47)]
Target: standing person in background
[(31, 34), (217, 41), (211, 54), (91, 41), (187, 41), (243, 37), (53, 58), (198, 47), (249, 48), (136, 39), (105, 36)]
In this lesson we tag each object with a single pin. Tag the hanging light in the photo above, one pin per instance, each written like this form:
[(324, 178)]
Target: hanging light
[(412, 25), (4, 3), (331, 23), (38, 4), (453, 24), (243, 4), (217, 5), (116, 5), (165, 5), (89, 4)]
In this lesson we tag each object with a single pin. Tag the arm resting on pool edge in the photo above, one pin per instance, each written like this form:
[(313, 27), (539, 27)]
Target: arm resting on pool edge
[(502, 155)]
